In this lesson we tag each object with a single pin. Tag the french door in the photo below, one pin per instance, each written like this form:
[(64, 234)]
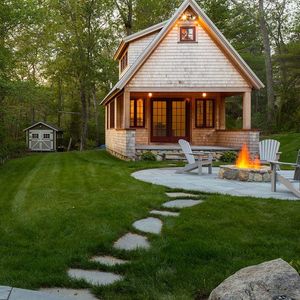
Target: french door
[(169, 120)]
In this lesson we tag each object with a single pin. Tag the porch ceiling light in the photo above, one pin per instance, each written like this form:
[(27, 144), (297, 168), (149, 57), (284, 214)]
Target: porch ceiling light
[(150, 95), (184, 17), (204, 95)]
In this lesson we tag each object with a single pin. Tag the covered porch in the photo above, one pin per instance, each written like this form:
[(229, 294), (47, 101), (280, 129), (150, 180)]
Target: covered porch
[(139, 121)]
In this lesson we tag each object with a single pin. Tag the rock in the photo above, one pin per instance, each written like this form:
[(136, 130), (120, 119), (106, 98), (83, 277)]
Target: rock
[(75, 294), (179, 195), (273, 280)]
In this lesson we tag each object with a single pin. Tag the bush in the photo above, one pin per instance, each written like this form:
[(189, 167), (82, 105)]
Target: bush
[(12, 149), (148, 156), (228, 157)]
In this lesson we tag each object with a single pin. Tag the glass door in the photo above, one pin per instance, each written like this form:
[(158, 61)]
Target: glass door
[(169, 120)]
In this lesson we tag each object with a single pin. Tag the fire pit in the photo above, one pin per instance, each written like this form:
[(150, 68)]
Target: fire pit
[(246, 169)]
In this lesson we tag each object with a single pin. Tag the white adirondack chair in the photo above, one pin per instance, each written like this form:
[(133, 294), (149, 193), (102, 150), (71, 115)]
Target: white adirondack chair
[(269, 151), (193, 163), (287, 182)]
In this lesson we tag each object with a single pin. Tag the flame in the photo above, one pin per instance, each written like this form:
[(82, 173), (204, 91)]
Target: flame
[(244, 160)]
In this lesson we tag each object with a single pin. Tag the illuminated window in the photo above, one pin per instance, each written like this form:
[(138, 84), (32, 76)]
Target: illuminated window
[(205, 112), (124, 62), (137, 113), (112, 114), (188, 34)]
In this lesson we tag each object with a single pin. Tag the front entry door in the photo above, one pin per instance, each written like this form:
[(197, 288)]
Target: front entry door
[(169, 120)]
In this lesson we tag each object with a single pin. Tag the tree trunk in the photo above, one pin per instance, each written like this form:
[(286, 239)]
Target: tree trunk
[(84, 119), (96, 115), (268, 62), (60, 102)]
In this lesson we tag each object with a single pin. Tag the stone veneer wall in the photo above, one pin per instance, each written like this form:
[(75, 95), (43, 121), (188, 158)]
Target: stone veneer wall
[(236, 138), (121, 143)]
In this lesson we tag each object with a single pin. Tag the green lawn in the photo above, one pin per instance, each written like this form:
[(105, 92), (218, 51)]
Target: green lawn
[(57, 210), (290, 144)]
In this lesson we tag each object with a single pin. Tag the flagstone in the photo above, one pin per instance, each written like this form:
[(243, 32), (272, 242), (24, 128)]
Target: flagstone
[(149, 225), (131, 241), (179, 194), (75, 294), (164, 213), (94, 277), (108, 260), (182, 203)]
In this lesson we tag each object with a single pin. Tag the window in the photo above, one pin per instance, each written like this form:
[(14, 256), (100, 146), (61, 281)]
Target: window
[(188, 34), (46, 136), (205, 112), (112, 114), (137, 113), (35, 135), (124, 62)]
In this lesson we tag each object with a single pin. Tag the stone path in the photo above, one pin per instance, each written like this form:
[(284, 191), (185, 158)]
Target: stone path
[(131, 241), (94, 277), (182, 203), (128, 242), (149, 225)]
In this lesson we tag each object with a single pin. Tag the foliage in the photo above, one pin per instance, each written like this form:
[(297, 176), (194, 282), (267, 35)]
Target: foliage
[(74, 217), (12, 149), (148, 156), (228, 157)]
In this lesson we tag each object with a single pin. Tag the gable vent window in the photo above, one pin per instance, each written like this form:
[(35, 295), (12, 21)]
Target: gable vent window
[(124, 62), (188, 34)]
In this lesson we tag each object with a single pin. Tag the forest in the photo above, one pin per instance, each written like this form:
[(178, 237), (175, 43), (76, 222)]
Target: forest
[(56, 61)]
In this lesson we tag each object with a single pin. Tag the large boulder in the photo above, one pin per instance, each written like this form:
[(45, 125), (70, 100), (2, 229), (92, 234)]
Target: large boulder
[(273, 280)]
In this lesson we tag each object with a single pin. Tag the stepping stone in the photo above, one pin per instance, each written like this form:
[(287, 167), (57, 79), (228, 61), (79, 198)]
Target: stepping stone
[(108, 261), (4, 292), (164, 213), (182, 203), (75, 294), (94, 277), (132, 241), (177, 195), (149, 225)]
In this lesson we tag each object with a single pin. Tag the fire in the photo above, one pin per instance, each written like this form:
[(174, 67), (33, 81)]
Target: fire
[(244, 160)]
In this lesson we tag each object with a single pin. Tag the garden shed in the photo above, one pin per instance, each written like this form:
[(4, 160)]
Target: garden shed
[(43, 137)]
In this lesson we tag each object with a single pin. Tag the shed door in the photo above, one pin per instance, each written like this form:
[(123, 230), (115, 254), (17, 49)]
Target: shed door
[(41, 140)]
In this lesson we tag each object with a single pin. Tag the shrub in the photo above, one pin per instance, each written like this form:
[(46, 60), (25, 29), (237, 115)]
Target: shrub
[(228, 157), (12, 149), (148, 156)]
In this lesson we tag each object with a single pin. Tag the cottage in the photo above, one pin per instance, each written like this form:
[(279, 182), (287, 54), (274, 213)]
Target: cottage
[(174, 78), (43, 137)]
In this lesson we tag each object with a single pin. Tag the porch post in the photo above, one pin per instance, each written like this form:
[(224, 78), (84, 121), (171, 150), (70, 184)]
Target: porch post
[(222, 116), (247, 110), (116, 112), (126, 109)]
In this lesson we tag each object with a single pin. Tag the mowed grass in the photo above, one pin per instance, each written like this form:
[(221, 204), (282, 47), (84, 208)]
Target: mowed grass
[(57, 210), (290, 144)]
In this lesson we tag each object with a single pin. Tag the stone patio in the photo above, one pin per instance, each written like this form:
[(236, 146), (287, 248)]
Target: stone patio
[(212, 184)]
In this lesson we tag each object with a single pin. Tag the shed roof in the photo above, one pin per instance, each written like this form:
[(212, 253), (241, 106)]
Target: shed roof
[(45, 124), (166, 26)]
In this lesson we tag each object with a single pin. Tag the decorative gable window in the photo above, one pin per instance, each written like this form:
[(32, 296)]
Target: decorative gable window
[(124, 62), (188, 34)]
